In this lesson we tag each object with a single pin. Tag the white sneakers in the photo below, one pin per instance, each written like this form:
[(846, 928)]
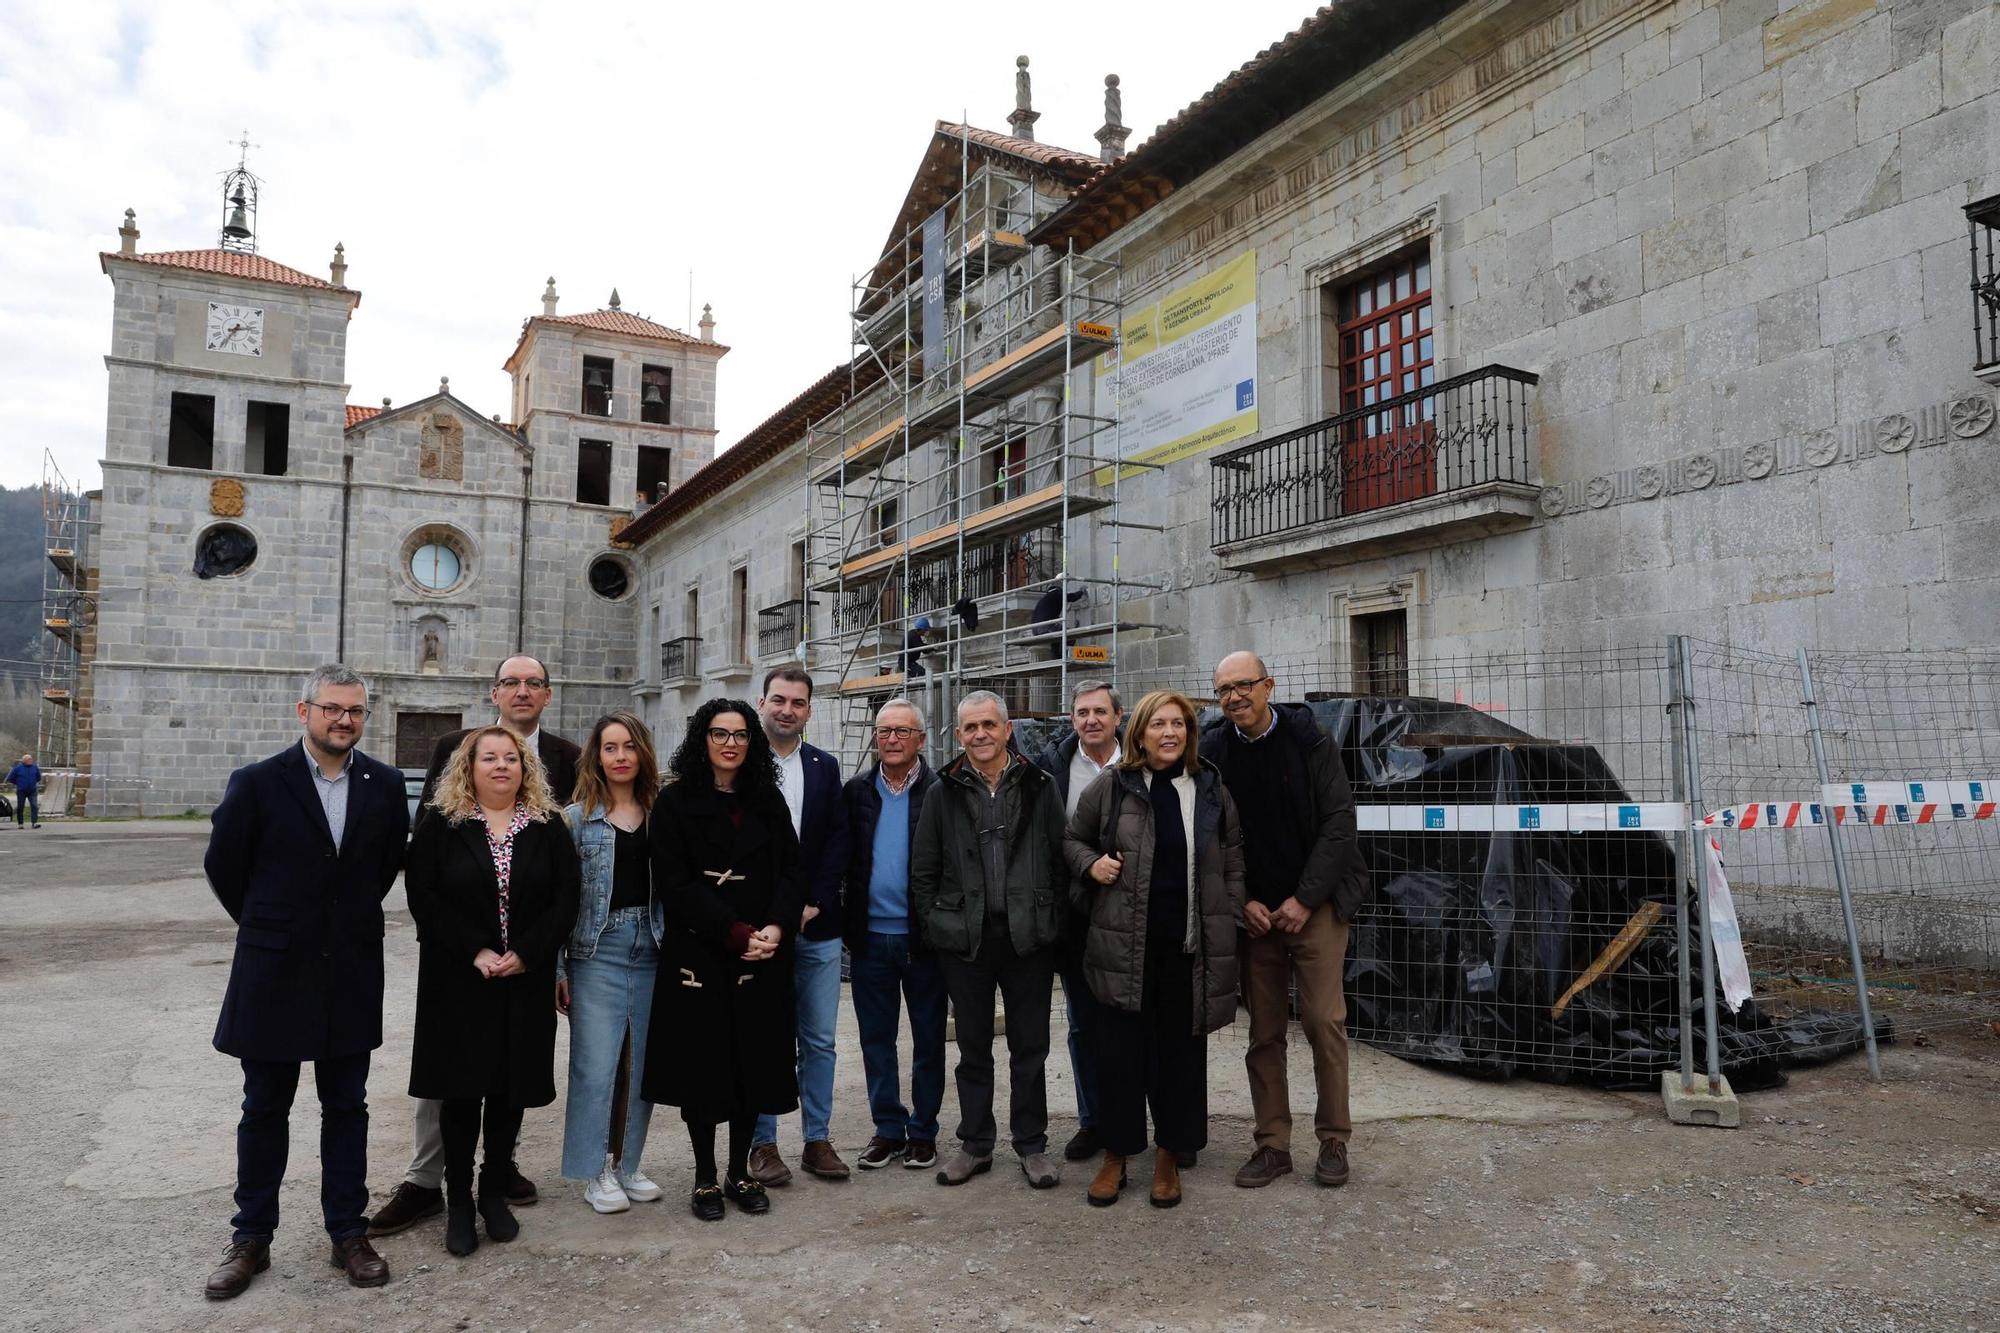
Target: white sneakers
[(637, 1188), (605, 1194), (614, 1191)]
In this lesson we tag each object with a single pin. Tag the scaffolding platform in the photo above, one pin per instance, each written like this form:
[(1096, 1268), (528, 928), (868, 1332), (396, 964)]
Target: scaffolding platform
[(1037, 509)]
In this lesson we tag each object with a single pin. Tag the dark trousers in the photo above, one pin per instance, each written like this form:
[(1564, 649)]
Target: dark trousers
[(263, 1142), (458, 1123), (1154, 1058), (27, 808), (1085, 1037), (1025, 985), (883, 976)]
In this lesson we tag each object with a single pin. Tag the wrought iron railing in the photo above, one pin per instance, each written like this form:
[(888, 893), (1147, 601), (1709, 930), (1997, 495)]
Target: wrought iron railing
[(680, 659), (1459, 433), (1983, 223), (780, 627)]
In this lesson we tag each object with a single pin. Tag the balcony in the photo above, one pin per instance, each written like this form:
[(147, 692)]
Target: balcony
[(1983, 224), (780, 628), (1447, 462), (680, 660)]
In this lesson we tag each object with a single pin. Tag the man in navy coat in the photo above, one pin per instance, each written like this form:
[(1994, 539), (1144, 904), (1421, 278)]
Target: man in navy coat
[(811, 781), (306, 844)]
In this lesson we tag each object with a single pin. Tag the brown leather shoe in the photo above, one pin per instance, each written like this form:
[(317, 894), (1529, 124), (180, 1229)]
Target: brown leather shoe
[(409, 1205), (1166, 1179), (821, 1160), (242, 1261), (365, 1268), (767, 1168), (1331, 1169), (1265, 1165), (1109, 1180)]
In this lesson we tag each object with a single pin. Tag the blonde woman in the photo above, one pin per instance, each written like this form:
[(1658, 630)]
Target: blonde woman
[(492, 883), (1157, 850), (604, 978)]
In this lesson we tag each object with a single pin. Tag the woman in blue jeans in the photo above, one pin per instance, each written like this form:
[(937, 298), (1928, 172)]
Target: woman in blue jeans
[(604, 977)]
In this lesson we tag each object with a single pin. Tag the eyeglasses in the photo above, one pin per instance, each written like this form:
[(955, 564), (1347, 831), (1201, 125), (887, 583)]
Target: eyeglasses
[(1242, 687), (718, 736), (334, 712), (512, 683), (897, 733)]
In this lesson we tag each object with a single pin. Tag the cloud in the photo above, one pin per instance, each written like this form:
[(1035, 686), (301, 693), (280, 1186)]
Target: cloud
[(463, 153)]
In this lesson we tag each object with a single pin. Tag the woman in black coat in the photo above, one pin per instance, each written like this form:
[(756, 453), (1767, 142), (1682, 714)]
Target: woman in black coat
[(721, 1044), (492, 881)]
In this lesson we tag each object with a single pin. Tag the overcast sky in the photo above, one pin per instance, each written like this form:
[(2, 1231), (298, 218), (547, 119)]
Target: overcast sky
[(465, 153)]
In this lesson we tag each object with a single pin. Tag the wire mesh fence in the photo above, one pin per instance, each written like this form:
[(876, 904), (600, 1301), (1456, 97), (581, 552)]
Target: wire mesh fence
[(1923, 885)]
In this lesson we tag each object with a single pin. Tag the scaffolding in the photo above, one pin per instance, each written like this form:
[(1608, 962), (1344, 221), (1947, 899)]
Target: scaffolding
[(68, 622), (965, 486)]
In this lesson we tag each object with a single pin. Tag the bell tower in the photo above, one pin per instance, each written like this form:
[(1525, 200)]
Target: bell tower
[(239, 202)]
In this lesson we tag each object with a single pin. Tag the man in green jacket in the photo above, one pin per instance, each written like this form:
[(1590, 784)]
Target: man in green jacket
[(989, 892)]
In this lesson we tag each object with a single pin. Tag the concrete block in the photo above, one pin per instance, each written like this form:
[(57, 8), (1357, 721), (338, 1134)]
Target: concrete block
[(1900, 97), (1883, 296)]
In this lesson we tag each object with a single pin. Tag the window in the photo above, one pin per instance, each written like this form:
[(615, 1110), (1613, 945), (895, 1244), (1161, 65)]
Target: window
[(691, 625), (436, 567), (885, 522), (593, 472), (222, 550), (1382, 652), (653, 625), (798, 571), (655, 473), (191, 431), (739, 614), (610, 577), (596, 387), (656, 391), (266, 439), (1387, 350)]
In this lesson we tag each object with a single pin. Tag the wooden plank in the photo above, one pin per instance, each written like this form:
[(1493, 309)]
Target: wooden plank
[(1614, 953), (866, 684), (986, 518)]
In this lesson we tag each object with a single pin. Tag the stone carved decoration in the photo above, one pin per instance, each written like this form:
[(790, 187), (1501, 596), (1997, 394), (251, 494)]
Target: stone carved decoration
[(441, 452), (1971, 416), (619, 523), (1967, 418), (430, 646), (225, 497), (1895, 433)]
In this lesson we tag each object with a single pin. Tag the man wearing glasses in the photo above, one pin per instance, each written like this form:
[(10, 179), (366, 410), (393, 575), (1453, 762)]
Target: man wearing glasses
[(521, 691), (1305, 881), (891, 965), (305, 846)]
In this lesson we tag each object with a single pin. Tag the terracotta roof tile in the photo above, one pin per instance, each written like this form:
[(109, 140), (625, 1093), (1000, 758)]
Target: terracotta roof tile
[(618, 321), (230, 263), (1047, 154), (765, 442), (1283, 79), (356, 414)]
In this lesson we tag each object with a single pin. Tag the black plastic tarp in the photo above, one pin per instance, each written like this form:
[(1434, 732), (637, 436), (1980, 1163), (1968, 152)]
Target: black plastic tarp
[(1468, 940)]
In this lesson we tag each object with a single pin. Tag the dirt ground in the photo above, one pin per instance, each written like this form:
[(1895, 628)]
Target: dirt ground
[(1840, 1204)]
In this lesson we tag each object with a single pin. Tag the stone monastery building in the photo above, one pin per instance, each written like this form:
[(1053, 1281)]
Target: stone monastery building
[(1439, 328)]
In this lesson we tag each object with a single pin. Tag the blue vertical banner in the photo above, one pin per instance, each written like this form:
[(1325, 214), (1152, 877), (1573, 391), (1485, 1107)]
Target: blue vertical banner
[(933, 275)]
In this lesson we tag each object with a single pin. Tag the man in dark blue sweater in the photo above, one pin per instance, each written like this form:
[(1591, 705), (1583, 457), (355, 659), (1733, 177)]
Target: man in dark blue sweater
[(27, 780)]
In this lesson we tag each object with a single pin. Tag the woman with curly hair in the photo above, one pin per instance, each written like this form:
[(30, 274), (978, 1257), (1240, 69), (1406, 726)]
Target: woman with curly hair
[(492, 884), (721, 1044), (604, 975)]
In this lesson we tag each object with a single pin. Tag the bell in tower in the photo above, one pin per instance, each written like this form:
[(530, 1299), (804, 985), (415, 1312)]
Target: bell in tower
[(239, 203)]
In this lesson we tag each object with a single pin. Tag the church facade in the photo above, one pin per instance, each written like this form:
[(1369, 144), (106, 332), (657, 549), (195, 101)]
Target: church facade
[(254, 524)]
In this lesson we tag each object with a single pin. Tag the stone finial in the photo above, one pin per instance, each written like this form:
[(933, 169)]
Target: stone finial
[(707, 323), (1111, 135), (1024, 115), (385, 404), (444, 384), (615, 304), (128, 235), (549, 296), (339, 266)]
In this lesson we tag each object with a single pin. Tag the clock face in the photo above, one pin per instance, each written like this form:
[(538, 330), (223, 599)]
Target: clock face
[(235, 328)]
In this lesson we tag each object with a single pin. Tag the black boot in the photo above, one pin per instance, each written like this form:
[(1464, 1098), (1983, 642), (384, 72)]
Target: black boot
[(461, 1236), (493, 1209)]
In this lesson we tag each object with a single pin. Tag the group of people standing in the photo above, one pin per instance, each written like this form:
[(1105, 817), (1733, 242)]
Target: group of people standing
[(689, 920)]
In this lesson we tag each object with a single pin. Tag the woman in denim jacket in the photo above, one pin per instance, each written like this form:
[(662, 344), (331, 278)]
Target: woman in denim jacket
[(604, 976)]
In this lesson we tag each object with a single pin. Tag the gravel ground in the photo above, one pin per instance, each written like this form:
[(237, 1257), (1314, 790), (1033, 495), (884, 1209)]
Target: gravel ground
[(1840, 1204)]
